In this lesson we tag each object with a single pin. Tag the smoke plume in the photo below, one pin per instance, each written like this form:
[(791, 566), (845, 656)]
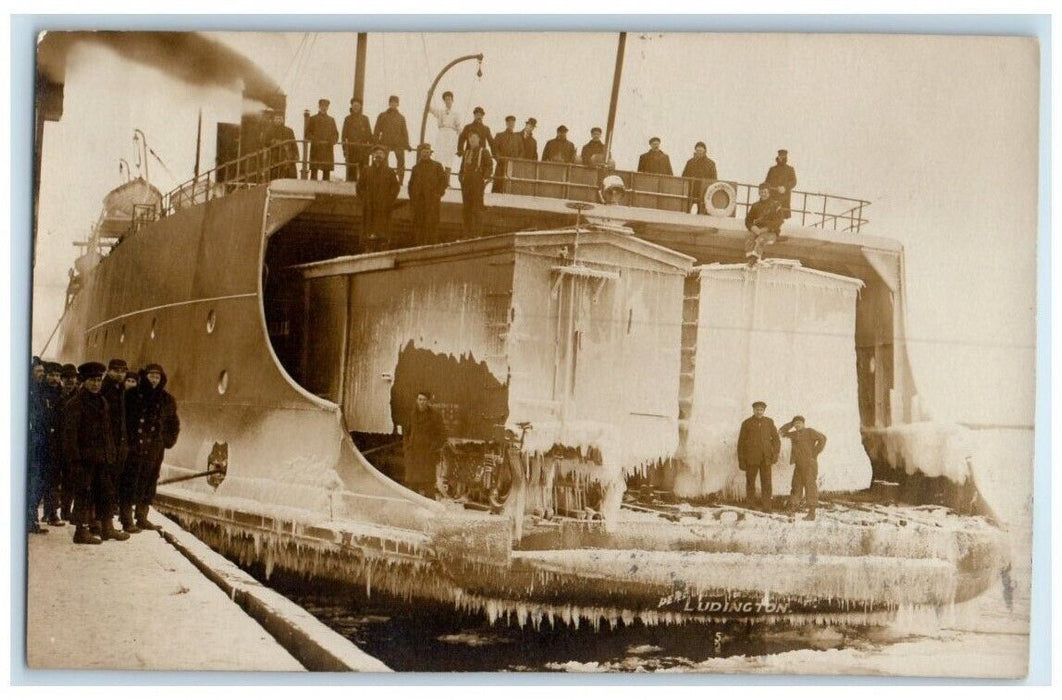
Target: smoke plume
[(188, 56)]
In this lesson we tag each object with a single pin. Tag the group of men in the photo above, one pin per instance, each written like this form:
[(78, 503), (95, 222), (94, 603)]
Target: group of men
[(97, 438), (759, 444)]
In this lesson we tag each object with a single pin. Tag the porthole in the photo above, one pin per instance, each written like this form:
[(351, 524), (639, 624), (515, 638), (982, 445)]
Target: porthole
[(121, 335), (154, 324), (212, 319), (223, 381)]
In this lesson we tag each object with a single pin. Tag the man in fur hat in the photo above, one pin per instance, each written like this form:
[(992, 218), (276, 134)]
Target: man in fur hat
[(153, 427)]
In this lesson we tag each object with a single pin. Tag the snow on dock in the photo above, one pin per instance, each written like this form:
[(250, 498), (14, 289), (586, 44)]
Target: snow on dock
[(141, 605)]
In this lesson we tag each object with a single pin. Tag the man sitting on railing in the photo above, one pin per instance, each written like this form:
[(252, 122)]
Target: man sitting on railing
[(702, 169), (764, 222)]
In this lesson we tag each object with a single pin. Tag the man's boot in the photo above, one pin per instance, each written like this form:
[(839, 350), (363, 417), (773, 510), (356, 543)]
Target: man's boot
[(810, 515), (126, 519), (83, 536), (107, 531), (142, 518)]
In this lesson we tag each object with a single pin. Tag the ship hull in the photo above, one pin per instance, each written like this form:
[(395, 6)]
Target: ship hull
[(189, 292)]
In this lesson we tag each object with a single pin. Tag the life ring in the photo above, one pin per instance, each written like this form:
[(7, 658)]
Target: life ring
[(720, 199)]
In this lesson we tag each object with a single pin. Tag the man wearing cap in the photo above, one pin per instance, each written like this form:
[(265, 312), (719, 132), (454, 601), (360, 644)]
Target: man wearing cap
[(702, 169), (153, 427), (357, 140), (476, 168), (113, 390), (448, 127), (423, 436), (132, 379), (476, 126), (88, 443), (391, 131), (378, 190), (41, 477), (594, 147), (807, 444), (283, 149), (67, 479), (528, 144), (322, 134), (758, 447), (427, 185), (654, 160), (764, 223), (507, 144), (559, 149), (781, 178)]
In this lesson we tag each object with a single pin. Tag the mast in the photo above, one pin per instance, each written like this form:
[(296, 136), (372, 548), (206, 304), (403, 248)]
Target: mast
[(610, 126), (198, 142), (359, 68)]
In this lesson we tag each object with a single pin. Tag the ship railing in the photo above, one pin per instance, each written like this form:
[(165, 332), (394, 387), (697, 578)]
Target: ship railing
[(568, 181)]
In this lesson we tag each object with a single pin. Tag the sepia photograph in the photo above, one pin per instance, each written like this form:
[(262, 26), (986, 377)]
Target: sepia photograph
[(584, 352)]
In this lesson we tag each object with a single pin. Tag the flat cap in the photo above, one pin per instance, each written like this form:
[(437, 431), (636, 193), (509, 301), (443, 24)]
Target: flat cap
[(562, 129), (118, 363), (532, 121), (424, 147), (759, 404), (88, 370), (68, 371), (478, 110)]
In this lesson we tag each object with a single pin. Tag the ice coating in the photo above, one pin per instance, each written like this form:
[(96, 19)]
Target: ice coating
[(933, 449), (782, 334)]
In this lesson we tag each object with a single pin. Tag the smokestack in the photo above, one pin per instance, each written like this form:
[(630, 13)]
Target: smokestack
[(189, 57)]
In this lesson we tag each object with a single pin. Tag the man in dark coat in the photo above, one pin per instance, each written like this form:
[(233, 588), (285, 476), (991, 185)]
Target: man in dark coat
[(476, 168), (782, 179), (594, 147), (43, 474), (528, 144), (764, 223), (559, 149), (391, 131), (702, 169), (507, 144), (153, 426), (758, 448), (67, 478), (87, 442), (322, 134), (113, 390), (357, 140), (807, 444), (476, 126), (423, 436), (283, 150), (654, 160), (427, 185), (378, 190)]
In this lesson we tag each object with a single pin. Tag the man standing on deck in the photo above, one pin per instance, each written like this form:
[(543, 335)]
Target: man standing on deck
[(764, 223), (528, 144), (507, 144), (702, 169), (357, 140), (427, 185), (476, 126), (283, 150), (378, 190), (758, 448), (476, 168), (654, 160), (559, 149), (594, 147), (113, 389), (807, 444), (88, 444), (391, 131), (153, 426), (424, 436), (781, 178), (322, 134)]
